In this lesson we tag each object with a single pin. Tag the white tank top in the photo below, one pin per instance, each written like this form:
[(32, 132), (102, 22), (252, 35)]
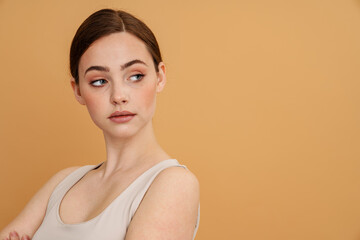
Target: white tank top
[(112, 223)]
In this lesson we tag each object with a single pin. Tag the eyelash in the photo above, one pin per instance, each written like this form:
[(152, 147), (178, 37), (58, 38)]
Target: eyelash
[(139, 76), (97, 80)]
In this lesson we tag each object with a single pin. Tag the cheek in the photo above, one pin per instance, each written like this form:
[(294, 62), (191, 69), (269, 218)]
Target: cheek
[(148, 96), (93, 103)]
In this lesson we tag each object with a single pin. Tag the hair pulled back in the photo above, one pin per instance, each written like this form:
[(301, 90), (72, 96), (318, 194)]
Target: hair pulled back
[(105, 22)]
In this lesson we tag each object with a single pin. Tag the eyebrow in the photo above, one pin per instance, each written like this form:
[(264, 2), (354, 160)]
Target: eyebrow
[(106, 69), (128, 64), (97, 68)]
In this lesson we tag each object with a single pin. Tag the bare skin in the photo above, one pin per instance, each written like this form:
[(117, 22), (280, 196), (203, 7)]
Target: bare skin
[(169, 208), (15, 236), (30, 218)]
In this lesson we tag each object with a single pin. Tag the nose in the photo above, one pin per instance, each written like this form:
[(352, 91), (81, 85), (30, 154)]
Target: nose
[(118, 96)]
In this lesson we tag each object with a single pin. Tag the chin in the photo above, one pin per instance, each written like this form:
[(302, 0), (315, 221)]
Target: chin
[(122, 132)]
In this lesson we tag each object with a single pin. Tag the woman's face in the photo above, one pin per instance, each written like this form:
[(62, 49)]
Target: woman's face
[(117, 73)]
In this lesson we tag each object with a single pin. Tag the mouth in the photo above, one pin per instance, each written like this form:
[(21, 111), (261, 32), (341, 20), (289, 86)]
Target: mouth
[(121, 117), (121, 114)]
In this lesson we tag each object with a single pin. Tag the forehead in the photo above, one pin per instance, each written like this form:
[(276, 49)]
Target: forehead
[(114, 50)]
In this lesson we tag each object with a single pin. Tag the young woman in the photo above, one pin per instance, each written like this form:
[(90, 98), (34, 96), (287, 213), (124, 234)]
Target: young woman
[(139, 192)]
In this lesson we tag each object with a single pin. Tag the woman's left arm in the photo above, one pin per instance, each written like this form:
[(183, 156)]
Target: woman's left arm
[(169, 209)]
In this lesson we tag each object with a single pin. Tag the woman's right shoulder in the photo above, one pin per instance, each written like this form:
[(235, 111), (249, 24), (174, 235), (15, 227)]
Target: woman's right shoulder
[(61, 175), (30, 218), (50, 185)]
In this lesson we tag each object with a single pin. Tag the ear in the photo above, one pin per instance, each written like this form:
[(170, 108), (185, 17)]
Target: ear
[(161, 81), (77, 92)]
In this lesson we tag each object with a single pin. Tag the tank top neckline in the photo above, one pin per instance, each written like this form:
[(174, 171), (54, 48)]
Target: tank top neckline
[(92, 167)]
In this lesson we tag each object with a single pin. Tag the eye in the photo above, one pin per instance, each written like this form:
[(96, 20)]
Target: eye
[(98, 83), (136, 77)]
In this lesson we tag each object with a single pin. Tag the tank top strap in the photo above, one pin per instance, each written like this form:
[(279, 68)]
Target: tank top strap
[(64, 186)]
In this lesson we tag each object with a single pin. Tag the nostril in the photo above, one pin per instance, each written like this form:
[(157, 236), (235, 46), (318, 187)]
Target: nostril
[(119, 100)]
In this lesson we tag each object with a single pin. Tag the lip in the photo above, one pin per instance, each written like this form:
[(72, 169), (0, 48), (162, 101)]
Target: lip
[(121, 117), (122, 113)]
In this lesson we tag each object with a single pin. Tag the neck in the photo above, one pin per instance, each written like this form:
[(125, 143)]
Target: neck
[(126, 153)]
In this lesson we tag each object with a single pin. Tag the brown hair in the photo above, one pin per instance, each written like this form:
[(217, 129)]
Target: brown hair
[(103, 23)]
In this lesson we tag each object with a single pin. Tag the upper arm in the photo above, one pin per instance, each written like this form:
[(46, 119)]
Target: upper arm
[(30, 218), (169, 209)]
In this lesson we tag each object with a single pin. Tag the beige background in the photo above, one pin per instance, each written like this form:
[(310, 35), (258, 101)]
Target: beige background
[(262, 104)]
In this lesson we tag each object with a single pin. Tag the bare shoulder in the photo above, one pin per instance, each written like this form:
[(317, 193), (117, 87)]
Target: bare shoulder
[(61, 175), (30, 218), (174, 185), (177, 178), (169, 209), (50, 185)]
